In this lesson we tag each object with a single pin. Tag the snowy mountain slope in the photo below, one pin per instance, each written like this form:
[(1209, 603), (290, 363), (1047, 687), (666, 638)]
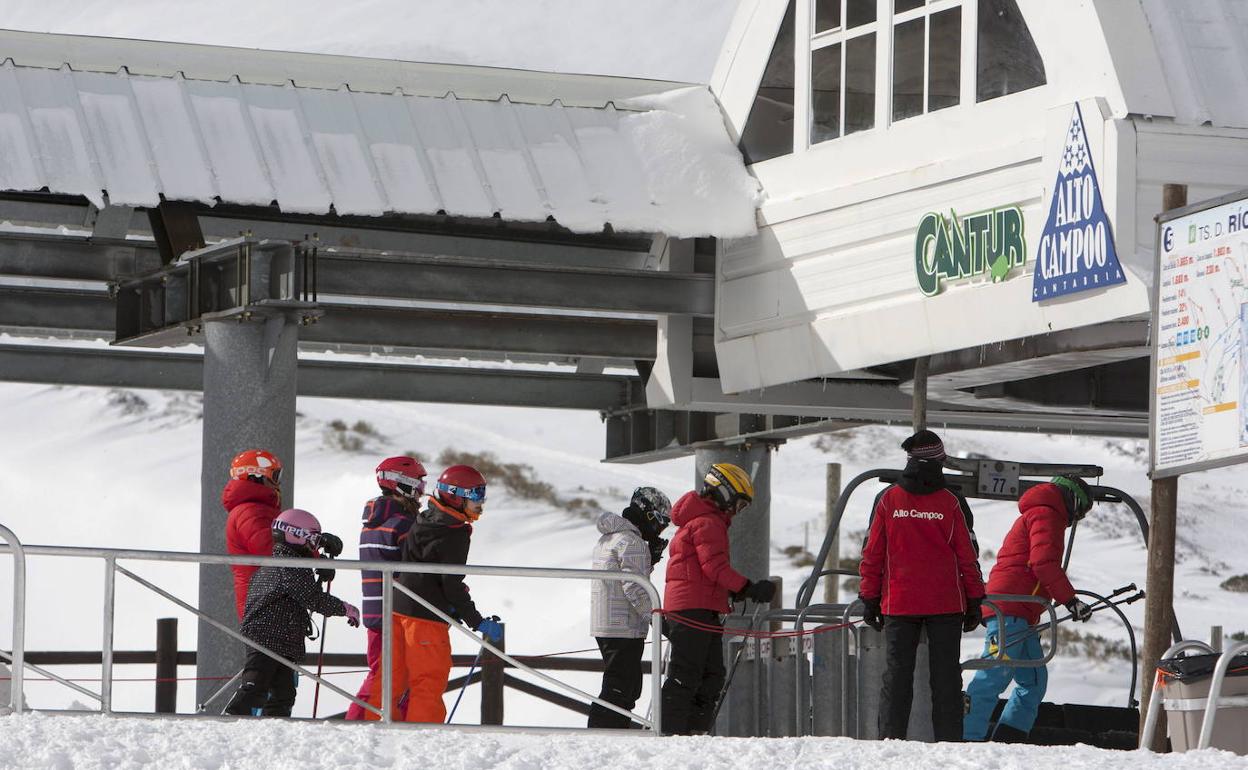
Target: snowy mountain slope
[(95, 467)]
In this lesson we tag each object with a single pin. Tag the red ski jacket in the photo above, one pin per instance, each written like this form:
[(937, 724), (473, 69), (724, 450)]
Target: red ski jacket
[(248, 529), (699, 576), (918, 557), (1030, 559)]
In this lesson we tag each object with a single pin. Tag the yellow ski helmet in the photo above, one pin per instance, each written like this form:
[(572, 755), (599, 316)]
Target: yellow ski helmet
[(728, 486)]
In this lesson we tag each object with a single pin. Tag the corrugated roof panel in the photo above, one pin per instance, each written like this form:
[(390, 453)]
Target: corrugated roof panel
[(173, 139), (138, 138), (337, 137), (402, 170), (506, 168), (285, 143), (454, 169), (614, 166), (118, 138), (232, 152), (52, 106), (553, 147), (19, 163)]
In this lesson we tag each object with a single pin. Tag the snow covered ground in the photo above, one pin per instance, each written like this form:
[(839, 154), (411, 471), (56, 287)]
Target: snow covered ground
[(98, 467), (83, 742)]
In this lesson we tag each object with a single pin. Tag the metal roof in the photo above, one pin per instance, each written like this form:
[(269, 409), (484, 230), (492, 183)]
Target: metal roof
[(300, 137)]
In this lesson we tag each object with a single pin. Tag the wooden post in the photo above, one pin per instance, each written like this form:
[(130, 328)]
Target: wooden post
[(492, 676), (919, 397), (167, 666), (832, 493), (1162, 530)]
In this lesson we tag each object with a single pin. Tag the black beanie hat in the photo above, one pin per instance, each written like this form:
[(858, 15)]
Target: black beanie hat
[(924, 445)]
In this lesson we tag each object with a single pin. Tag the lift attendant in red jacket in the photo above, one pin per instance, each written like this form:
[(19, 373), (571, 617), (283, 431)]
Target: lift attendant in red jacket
[(700, 580), (920, 572), (253, 498)]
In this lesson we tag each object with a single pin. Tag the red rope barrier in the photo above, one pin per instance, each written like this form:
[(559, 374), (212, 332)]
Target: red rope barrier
[(751, 633)]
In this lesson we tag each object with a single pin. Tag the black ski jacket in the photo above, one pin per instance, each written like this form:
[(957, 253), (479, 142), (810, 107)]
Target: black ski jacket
[(278, 601), (437, 537)]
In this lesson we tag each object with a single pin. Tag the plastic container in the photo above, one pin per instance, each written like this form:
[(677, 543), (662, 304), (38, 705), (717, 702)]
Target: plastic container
[(1185, 693)]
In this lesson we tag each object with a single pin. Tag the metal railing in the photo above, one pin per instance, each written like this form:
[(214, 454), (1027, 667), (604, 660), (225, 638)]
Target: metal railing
[(388, 571), (18, 655), (1215, 692)]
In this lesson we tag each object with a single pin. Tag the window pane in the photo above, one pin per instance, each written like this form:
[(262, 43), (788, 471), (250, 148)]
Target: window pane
[(908, 69), (860, 83), (901, 6), (1008, 59), (825, 93), (827, 15), (769, 129), (944, 64), (859, 12)]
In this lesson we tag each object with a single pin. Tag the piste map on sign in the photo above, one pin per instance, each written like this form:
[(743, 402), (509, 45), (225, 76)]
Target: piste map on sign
[(1202, 382)]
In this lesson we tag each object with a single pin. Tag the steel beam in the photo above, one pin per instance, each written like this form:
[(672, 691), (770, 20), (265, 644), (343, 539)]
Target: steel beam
[(128, 368), (82, 311), (498, 282), (491, 333), (391, 275)]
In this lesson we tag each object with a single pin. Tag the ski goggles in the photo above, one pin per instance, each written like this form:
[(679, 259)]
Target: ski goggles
[(308, 536), (473, 494)]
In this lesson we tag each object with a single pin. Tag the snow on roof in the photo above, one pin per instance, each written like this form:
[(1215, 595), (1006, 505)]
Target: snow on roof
[(649, 160), (1203, 47)]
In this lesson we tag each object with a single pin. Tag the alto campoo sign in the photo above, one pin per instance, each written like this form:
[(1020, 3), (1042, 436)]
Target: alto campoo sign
[(953, 247)]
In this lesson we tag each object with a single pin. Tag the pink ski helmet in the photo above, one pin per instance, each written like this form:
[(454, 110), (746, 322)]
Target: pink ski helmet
[(298, 528)]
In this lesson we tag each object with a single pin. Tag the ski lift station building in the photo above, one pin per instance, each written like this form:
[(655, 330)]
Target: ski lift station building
[(862, 185)]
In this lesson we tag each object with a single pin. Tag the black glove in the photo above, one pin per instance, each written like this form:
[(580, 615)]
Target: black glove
[(1079, 611), (657, 546), (760, 592), (871, 613), (331, 544), (973, 616), (325, 574)]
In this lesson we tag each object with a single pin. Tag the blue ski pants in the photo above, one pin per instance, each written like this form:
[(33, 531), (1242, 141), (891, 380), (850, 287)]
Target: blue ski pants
[(988, 684)]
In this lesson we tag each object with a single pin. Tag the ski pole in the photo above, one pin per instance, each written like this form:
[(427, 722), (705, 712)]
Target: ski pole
[(467, 681), (1097, 607), (204, 706), (320, 659), (736, 660)]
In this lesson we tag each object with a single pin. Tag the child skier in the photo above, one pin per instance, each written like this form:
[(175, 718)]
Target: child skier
[(276, 617), (620, 612), (1029, 562), (441, 534), (699, 581), (387, 519)]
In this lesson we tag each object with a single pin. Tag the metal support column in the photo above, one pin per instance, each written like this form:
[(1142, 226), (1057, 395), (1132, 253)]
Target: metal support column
[(750, 552), (249, 403)]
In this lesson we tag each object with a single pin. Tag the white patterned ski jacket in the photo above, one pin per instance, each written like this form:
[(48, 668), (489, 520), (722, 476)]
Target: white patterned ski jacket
[(619, 610)]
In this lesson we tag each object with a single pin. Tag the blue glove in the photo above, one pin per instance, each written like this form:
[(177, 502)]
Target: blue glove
[(491, 629)]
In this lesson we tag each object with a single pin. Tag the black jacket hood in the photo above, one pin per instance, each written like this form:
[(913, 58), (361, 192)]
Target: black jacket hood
[(922, 477)]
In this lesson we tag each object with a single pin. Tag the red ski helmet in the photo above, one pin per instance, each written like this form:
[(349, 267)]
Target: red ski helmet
[(404, 476), (460, 485), (297, 528), (257, 465)]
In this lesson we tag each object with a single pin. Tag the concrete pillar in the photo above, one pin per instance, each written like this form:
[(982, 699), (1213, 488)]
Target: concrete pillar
[(749, 540), (249, 403)]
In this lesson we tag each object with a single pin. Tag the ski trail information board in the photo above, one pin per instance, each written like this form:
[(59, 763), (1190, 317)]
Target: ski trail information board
[(1199, 416)]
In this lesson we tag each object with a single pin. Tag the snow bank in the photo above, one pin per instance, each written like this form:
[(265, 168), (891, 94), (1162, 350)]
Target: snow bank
[(36, 740)]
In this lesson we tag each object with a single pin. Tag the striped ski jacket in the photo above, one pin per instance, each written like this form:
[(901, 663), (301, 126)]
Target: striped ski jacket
[(619, 610), (386, 524)]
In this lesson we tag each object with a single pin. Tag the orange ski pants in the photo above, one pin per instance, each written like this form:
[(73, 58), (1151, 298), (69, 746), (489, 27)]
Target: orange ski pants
[(422, 665)]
